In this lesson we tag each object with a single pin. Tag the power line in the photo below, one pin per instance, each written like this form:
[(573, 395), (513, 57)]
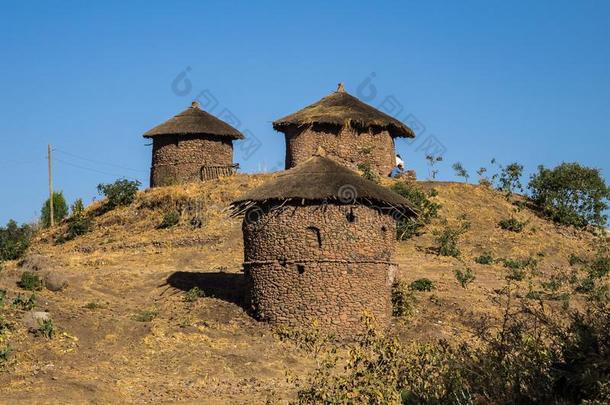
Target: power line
[(25, 162), (91, 169), (98, 161)]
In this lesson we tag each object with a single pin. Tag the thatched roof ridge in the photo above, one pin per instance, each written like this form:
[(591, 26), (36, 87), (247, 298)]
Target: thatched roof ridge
[(342, 109), (194, 121), (321, 179)]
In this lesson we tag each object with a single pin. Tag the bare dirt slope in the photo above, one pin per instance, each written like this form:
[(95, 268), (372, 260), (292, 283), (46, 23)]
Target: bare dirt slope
[(126, 334)]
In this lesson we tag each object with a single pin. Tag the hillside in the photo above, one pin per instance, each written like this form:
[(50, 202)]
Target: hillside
[(211, 350)]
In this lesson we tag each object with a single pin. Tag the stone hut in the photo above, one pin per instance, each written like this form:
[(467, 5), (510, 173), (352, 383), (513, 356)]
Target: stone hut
[(351, 131), (318, 245), (193, 145)]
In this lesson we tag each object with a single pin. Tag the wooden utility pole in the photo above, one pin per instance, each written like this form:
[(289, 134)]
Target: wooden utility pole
[(51, 213)]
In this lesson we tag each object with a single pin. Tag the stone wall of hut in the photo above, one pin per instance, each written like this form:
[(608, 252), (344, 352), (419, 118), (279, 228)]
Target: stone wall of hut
[(329, 263), (183, 159), (349, 146)]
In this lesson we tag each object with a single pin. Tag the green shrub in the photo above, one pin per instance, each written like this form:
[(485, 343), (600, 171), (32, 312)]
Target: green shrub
[(600, 267), (464, 277), (574, 260), (78, 225), (78, 207), (193, 294), (422, 284), (14, 240), (171, 218), (517, 267), (145, 316), (60, 209), (420, 201), (528, 357), (4, 326), (571, 194), (30, 281), (511, 224), (367, 172), (25, 304), (5, 355), (2, 297), (312, 339), (510, 178), (447, 239), (402, 299), (120, 193), (485, 258), (46, 329)]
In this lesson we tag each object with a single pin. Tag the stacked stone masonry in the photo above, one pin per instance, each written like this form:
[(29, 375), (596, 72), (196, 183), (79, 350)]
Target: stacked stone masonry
[(188, 158), (348, 146), (329, 263)]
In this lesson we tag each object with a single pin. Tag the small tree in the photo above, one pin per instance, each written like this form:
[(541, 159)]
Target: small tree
[(14, 240), (460, 171), (60, 209), (571, 194), (78, 207), (432, 161), (120, 193), (510, 178)]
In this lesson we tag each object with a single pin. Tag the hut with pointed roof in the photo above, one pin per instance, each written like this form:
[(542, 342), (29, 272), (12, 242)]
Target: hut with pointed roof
[(352, 132), (318, 245), (191, 146)]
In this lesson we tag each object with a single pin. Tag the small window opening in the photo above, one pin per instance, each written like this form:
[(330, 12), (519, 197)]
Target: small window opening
[(301, 268), (351, 217), (314, 237), (384, 228)]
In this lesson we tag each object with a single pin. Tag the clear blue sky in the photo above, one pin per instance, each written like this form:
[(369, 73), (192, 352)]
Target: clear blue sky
[(519, 81)]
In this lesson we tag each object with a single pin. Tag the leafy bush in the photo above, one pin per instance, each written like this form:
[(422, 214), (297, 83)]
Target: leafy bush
[(78, 225), (171, 218), (78, 207), (145, 316), (14, 240), (571, 194), (25, 304), (517, 267), (422, 284), (30, 281), (46, 329), (420, 201), (5, 355), (460, 171), (367, 172), (484, 259), (60, 209), (533, 357), (312, 339), (447, 239), (120, 193), (2, 297), (193, 294), (464, 277), (510, 178), (512, 224), (402, 299)]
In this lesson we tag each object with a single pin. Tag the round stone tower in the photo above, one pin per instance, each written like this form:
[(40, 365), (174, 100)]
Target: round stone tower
[(352, 132), (318, 245), (192, 146)]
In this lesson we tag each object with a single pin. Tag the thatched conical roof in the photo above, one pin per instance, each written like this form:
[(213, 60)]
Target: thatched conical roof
[(340, 109), (194, 121), (322, 179)]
